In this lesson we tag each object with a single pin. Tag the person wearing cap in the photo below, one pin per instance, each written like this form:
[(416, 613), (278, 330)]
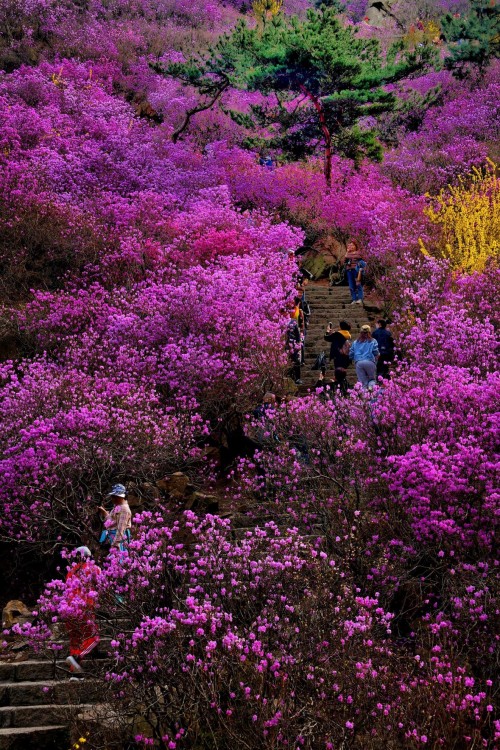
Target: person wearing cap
[(81, 624), (364, 353), (118, 521)]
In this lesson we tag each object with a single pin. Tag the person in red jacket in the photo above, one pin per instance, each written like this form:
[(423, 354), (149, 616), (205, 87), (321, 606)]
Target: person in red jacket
[(81, 624)]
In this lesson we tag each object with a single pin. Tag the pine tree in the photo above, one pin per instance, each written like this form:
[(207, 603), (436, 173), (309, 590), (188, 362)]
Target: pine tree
[(473, 38), (322, 77)]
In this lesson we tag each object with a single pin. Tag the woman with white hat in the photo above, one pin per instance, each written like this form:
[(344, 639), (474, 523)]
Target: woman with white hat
[(118, 521)]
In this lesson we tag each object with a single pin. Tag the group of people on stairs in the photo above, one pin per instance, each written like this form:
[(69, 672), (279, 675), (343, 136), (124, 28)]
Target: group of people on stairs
[(371, 353)]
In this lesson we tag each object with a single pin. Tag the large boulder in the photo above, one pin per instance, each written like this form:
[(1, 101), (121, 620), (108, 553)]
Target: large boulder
[(15, 612), (317, 265), (203, 503), (379, 12), (174, 485)]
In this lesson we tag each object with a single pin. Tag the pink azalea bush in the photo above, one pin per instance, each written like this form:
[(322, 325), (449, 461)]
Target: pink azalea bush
[(453, 138), (277, 647), (351, 598)]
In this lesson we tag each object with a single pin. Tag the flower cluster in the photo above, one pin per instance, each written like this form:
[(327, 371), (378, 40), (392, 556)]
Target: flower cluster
[(349, 594)]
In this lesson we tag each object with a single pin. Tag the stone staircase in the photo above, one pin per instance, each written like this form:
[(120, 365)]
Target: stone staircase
[(329, 305), (38, 702)]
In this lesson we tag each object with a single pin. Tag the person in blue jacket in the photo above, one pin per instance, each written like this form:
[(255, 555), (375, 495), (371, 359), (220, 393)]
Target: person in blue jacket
[(364, 353)]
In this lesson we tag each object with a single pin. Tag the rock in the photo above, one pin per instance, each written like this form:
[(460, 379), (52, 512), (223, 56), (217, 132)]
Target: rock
[(20, 646), (151, 491), (317, 265), (15, 612), (378, 13), (202, 502), (174, 485), (134, 501)]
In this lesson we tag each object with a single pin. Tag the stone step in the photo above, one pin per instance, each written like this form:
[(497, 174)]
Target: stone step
[(319, 326), (35, 693), (336, 311), (328, 305), (43, 669), (45, 714), (101, 649), (35, 738), (321, 322)]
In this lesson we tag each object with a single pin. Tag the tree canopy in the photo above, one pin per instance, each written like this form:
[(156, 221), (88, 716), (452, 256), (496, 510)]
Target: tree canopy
[(323, 82), (473, 38)]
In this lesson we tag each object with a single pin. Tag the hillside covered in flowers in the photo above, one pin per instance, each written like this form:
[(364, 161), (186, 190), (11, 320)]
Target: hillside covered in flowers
[(167, 168)]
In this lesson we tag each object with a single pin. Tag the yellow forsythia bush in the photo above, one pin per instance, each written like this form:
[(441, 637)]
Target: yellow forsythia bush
[(262, 8), (469, 217)]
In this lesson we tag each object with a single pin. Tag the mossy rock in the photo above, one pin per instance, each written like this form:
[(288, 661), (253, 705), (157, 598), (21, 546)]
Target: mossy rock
[(317, 265)]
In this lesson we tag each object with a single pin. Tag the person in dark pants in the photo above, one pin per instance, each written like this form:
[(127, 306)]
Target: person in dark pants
[(294, 345), (355, 268), (339, 352), (385, 342)]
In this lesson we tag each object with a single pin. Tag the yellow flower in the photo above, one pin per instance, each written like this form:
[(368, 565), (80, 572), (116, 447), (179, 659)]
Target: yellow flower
[(469, 217), (262, 8)]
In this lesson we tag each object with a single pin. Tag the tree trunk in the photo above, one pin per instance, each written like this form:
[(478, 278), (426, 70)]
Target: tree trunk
[(200, 108), (327, 162)]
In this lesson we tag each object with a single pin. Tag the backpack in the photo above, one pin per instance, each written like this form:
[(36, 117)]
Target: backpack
[(345, 348), (306, 308), (360, 268), (320, 362)]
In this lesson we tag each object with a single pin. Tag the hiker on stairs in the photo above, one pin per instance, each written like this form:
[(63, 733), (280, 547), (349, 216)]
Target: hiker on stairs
[(355, 269), (365, 352), (80, 601), (339, 352), (385, 342)]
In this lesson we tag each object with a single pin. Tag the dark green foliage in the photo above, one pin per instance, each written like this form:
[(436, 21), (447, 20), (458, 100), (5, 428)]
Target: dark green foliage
[(473, 39), (337, 5), (408, 115), (327, 83)]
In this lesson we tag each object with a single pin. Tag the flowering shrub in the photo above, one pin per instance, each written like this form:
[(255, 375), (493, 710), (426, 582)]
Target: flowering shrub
[(276, 646), (351, 599), (469, 217), (66, 432), (454, 137)]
